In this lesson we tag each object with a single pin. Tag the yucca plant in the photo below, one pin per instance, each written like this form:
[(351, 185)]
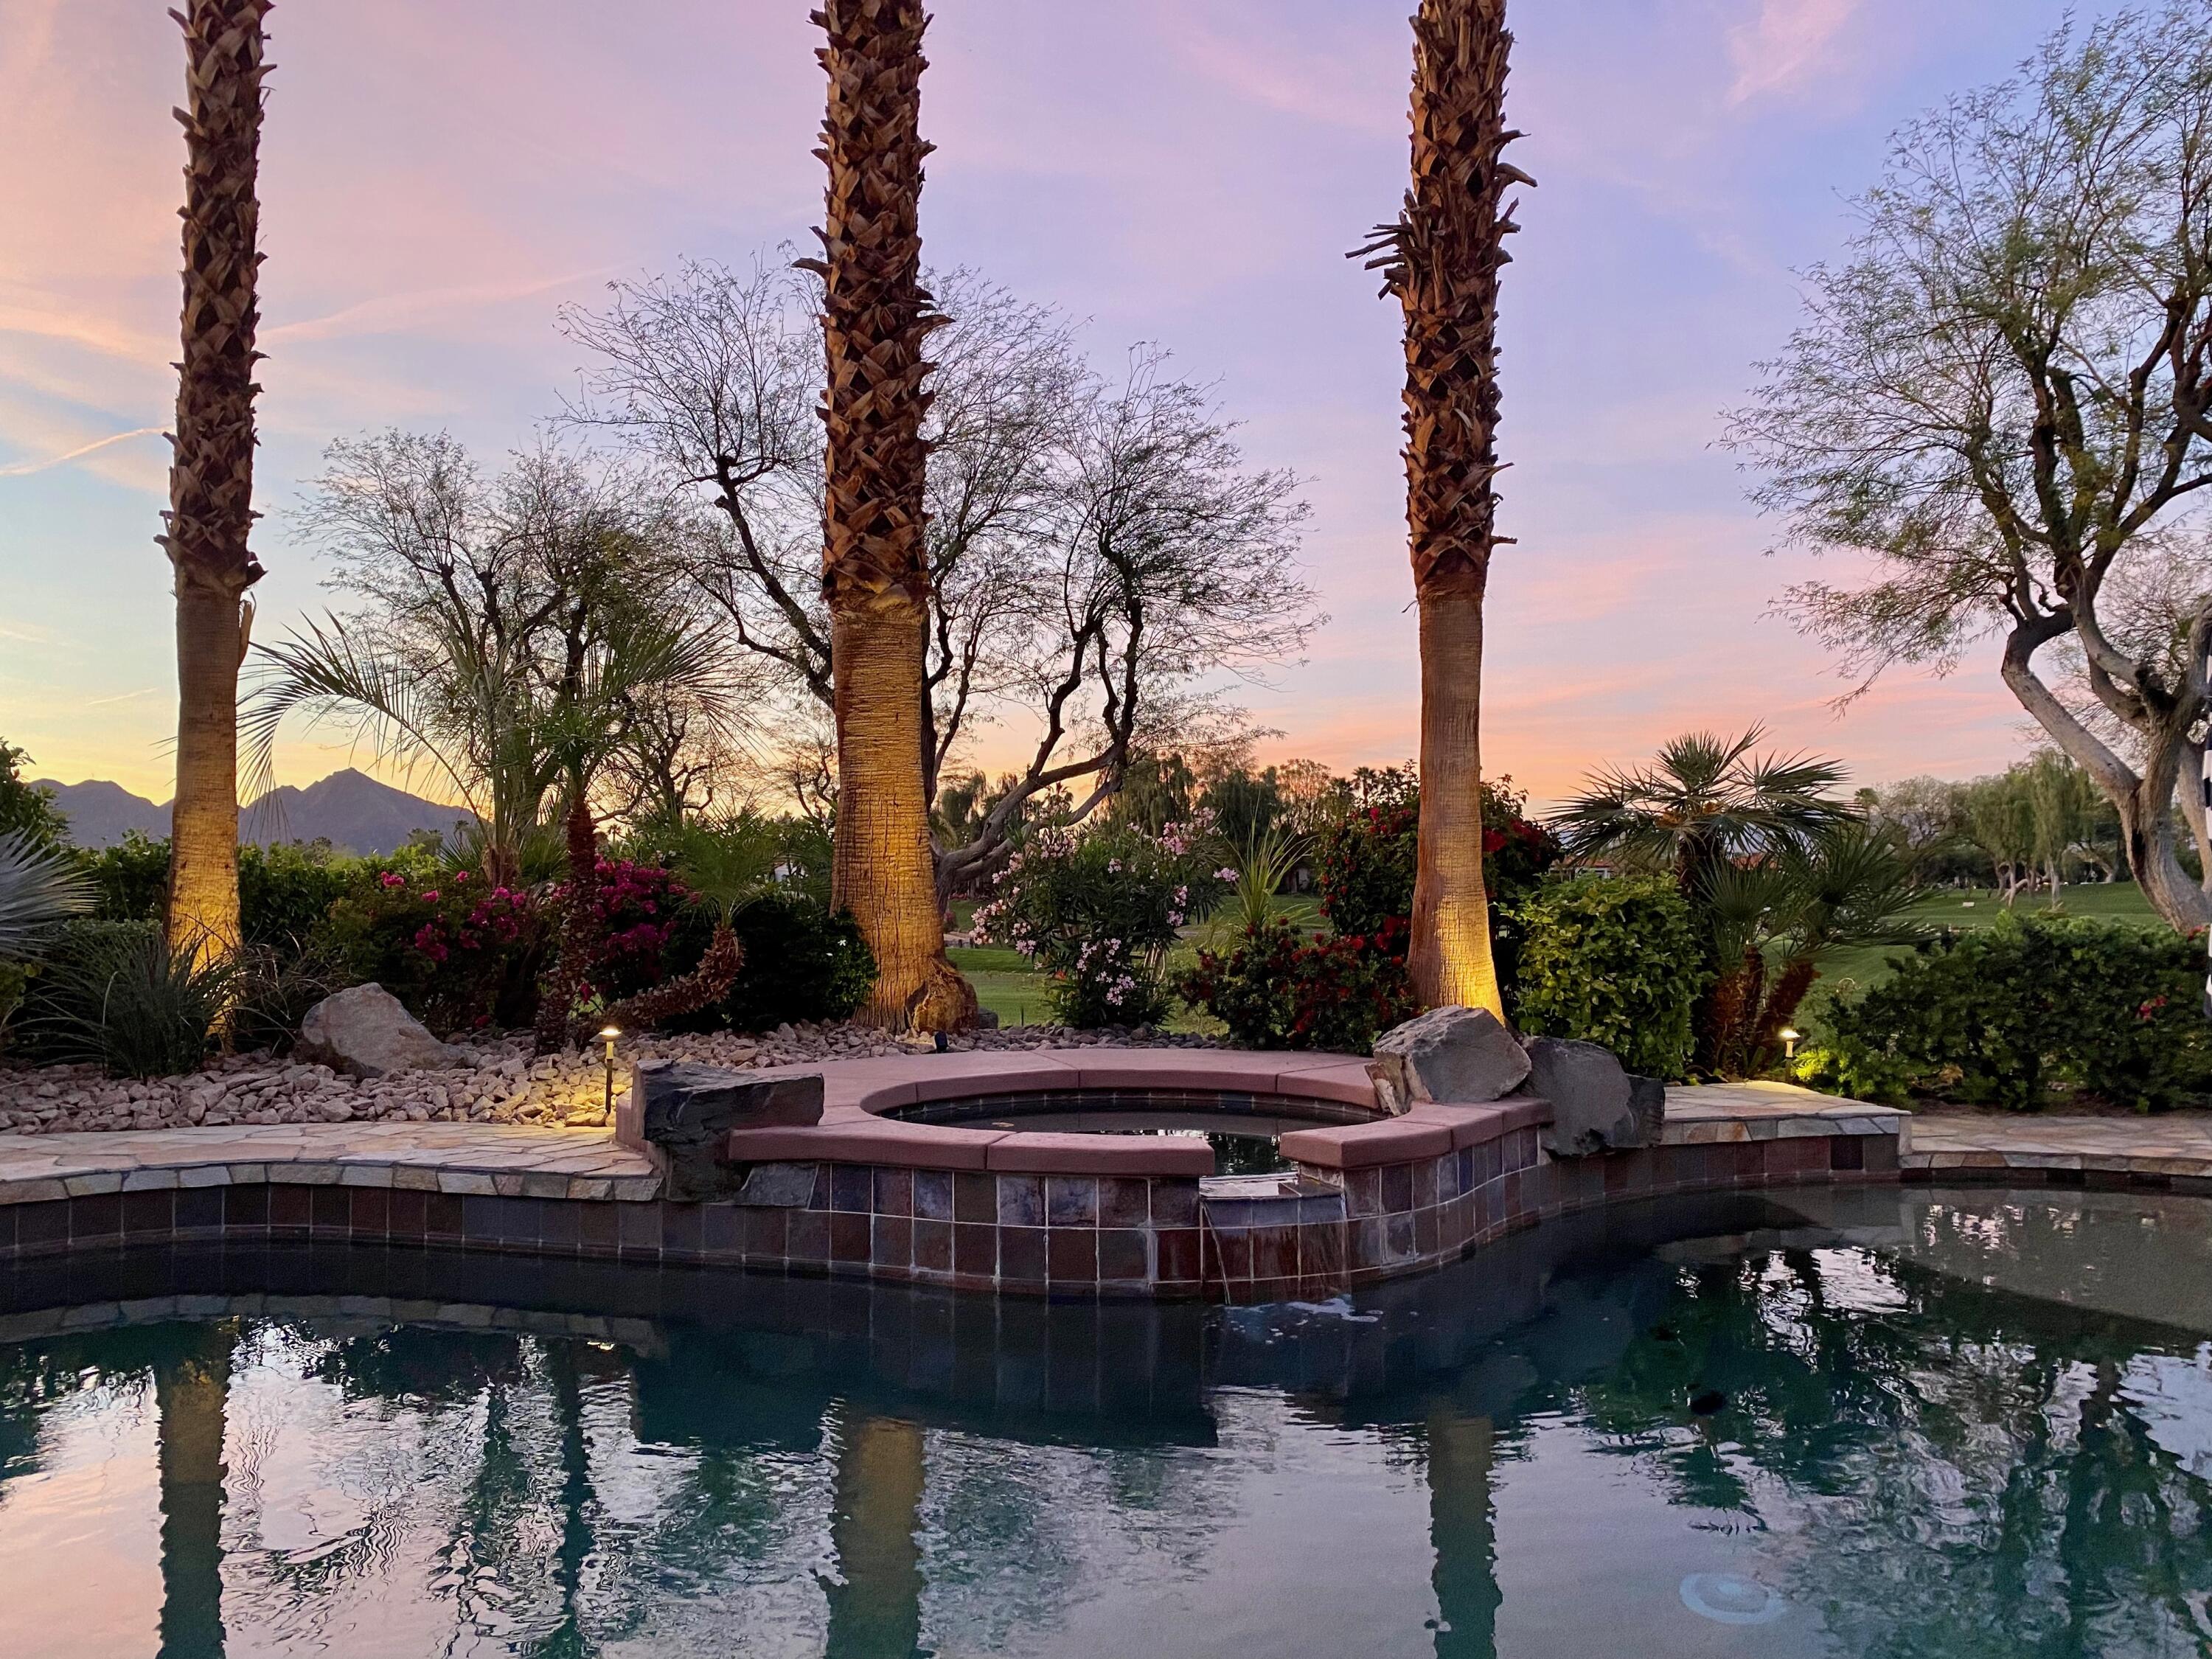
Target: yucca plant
[(123, 998)]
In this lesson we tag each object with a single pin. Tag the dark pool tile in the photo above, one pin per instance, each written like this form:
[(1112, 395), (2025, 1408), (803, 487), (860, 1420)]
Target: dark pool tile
[(809, 1238), (199, 1208), (1398, 1238), (975, 1249), (1397, 1187), (1122, 1255), (42, 1224), (933, 1195), (1445, 1173), (894, 1194), (1880, 1152), (1274, 1252), (849, 1236), (1321, 1250), (1179, 1255), (1847, 1152), (599, 1229), (851, 1187), (1021, 1201), (933, 1246), (330, 1209), (1124, 1201), (682, 1229), (409, 1215), (1022, 1259), (1175, 1203), (1227, 1254), (1070, 1201), (560, 1223), (975, 1197), (1072, 1256), (1424, 1184), (150, 1212), (892, 1242), (98, 1217), (370, 1210), (445, 1215)]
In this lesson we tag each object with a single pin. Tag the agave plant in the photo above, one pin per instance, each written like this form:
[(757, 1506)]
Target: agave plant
[(40, 886)]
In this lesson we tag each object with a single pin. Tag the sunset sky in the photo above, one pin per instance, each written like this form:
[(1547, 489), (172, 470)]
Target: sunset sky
[(439, 175)]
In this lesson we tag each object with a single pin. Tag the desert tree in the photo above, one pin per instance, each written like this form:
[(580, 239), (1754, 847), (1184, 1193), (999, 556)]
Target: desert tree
[(503, 638), (1441, 260), (1998, 409), (210, 513), (1104, 564)]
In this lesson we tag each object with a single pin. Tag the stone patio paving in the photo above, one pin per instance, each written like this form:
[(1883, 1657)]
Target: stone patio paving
[(2179, 1144)]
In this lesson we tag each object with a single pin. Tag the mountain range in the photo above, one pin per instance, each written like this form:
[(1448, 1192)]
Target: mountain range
[(349, 809)]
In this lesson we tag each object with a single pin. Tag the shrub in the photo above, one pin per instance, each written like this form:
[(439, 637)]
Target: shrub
[(277, 987), (132, 878), (285, 892), (1367, 861), (1276, 990), (115, 993), (801, 964), (1616, 962), (1097, 909), (2005, 1016), (459, 954)]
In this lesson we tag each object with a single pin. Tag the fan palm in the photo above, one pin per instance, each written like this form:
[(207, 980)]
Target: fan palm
[(1704, 801), (40, 886), (1772, 921)]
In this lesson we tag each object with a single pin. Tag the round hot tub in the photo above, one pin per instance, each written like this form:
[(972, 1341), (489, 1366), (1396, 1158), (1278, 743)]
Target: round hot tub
[(1245, 1131)]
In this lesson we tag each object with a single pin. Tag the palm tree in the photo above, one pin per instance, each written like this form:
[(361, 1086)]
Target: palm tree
[(191, 1391), (211, 474), (875, 571), (1703, 802), (1442, 260)]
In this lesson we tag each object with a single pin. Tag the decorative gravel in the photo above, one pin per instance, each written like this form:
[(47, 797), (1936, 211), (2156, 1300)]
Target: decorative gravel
[(505, 1084)]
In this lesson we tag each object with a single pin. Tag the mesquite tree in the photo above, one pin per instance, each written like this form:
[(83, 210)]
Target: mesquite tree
[(1103, 559), (2002, 400), (211, 472), (1441, 260)]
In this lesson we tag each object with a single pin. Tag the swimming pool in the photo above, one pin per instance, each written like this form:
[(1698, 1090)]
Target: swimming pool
[(1858, 1422)]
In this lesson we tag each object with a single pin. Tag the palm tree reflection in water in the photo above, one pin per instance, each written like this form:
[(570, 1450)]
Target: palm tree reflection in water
[(1917, 1462)]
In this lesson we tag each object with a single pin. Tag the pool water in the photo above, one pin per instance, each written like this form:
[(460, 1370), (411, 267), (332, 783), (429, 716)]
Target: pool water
[(1861, 1422)]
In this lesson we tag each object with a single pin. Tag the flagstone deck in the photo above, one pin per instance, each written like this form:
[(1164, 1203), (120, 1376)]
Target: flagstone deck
[(1980, 1145)]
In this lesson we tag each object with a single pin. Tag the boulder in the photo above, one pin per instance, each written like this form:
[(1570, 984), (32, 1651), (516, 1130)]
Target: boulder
[(1597, 1105), (364, 1032), (1454, 1056), (684, 1113)]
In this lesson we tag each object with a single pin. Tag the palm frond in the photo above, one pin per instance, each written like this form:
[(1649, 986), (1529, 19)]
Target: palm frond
[(40, 886)]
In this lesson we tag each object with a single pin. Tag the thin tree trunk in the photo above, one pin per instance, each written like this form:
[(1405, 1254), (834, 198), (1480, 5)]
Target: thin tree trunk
[(876, 319), (211, 473), (1444, 256), (191, 1393)]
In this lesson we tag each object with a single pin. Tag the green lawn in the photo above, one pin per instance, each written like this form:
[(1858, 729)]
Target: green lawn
[(1864, 965)]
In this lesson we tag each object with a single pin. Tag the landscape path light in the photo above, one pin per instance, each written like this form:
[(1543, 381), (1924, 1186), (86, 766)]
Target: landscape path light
[(1791, 1036), (607, 1035)]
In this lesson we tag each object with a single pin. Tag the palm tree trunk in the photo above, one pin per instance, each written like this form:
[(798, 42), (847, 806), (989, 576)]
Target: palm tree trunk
[(211, 473), (1462, 1533), (876, 320), (1445, 254), (875, 1608), (191, 1393)]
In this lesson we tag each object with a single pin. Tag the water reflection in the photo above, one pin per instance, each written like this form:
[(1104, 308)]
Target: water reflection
[(1926, 1425)]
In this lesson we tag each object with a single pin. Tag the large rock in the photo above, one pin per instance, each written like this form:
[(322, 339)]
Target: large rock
[(685, 1113), (365, 1032), (1457, 1056), (1597, 1105)]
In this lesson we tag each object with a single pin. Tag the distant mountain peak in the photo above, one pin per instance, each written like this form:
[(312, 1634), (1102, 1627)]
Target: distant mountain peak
[(349, 809)]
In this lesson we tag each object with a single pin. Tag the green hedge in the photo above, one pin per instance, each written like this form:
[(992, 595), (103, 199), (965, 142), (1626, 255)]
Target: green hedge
[(1615, 960), (2032, 1009)]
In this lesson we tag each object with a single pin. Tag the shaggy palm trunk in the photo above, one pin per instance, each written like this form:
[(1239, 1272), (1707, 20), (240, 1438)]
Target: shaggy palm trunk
[(1444, 259), (1462, 1533), (875, 577), (211, 473)]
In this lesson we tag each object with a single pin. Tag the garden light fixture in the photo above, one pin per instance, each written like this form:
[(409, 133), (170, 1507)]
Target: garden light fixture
[(607, 1035), (1791, 1036)]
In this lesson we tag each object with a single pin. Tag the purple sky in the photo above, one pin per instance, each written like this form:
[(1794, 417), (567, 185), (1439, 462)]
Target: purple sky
[(437, 177)]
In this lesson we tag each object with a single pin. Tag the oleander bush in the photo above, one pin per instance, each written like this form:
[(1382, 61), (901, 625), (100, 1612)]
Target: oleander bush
[(1616, 961), (1097, 909), (2035, 1009), (1276, 989)]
